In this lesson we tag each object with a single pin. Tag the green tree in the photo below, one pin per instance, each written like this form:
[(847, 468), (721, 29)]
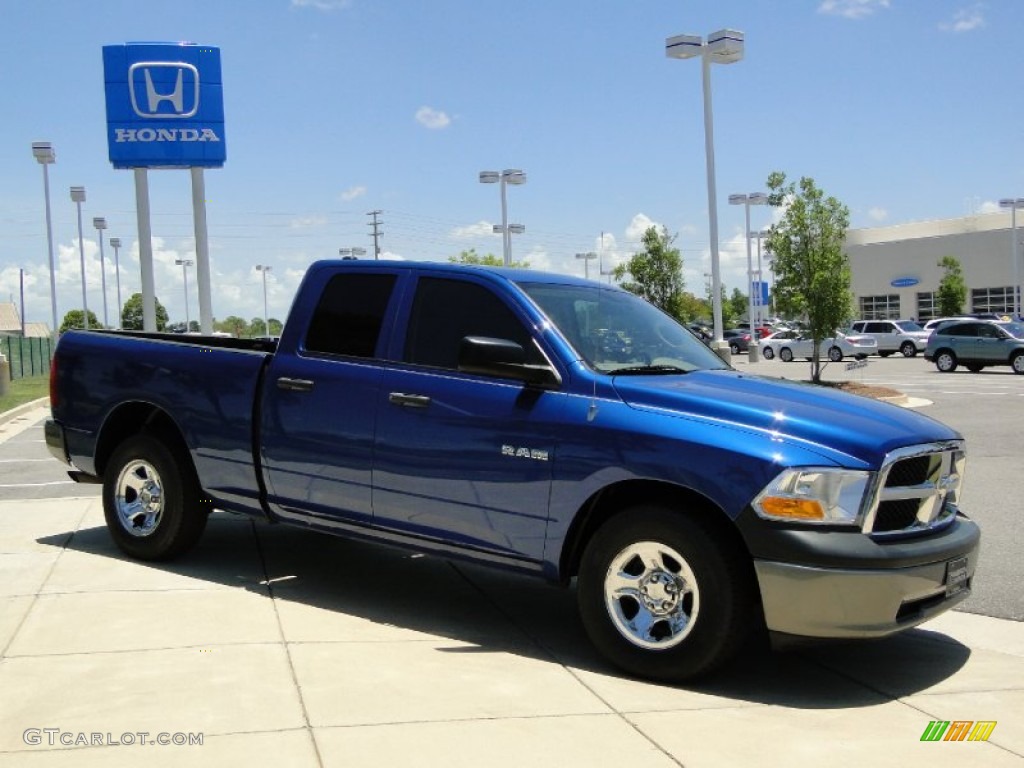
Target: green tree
[(656, 273), (257, 327), (812, 273), (276, 326), (952, 287), (487, 260), (234, 325), (131, 314), (738, 304), (693, 307), (73, 319)]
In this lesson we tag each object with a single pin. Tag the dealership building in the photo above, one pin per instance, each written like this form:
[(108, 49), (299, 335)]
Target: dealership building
[(896, 270)]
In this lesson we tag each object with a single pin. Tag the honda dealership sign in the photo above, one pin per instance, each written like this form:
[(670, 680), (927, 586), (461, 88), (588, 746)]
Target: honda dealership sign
[(165, 105)]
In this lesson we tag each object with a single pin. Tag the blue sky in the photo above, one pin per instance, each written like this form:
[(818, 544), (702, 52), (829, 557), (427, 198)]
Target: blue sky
[(903, 109)]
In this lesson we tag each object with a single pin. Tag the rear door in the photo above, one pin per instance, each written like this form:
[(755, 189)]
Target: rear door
[(463, 458), (319, 401)]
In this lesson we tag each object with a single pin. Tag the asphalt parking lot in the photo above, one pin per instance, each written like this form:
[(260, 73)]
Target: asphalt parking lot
[(279, 647)]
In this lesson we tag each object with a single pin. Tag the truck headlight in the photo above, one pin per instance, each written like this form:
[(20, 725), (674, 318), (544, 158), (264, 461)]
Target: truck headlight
[(815, 495)]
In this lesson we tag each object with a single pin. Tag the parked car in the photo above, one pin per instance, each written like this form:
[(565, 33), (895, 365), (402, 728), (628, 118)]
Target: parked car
[(976, 344), (938, 322), (770, 344), (738, 340), (903, 336), (833, 348)]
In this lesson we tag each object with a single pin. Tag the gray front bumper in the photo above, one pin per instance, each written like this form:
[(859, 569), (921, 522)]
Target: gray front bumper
[(834, 602)]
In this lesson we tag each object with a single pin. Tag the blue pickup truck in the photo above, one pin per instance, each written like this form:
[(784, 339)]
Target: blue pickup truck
[(541, 423)]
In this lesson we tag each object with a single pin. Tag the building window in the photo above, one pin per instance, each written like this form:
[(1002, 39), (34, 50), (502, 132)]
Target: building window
[(885, 307), (926, 306), (997, 300)]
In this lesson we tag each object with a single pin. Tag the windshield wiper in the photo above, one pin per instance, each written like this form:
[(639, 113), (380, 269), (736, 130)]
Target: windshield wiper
[(634, 370)]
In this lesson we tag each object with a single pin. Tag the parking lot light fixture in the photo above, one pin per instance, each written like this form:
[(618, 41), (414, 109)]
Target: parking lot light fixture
[(115, 243), (348, 254), (722, 47), (515, 177), (1013, 204), (78, 197), (587, 258), (264, 268), (754, 198), (44, 155), (185, 264)]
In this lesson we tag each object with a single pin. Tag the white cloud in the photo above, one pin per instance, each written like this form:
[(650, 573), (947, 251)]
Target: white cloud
[(989, 206), (352, 193), (638, 225), (480, 229), (308, 222), (852, 9), (965, 20), (322, 5), (878, 214), (433, 119)]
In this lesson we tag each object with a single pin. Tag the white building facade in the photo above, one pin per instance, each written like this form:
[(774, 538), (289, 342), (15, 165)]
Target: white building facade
[(896, 270)]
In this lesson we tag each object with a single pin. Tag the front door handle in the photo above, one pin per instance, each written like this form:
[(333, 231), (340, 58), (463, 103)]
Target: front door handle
[(410, 401), (294, 385)]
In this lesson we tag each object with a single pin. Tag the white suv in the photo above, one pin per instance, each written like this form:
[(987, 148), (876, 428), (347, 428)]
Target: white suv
[(903, 336)]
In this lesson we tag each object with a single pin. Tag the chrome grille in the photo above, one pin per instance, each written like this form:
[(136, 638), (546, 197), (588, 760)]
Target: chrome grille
[(917, 489)]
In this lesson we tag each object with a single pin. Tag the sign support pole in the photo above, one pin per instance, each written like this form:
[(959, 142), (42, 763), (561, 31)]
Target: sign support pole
[(145, 250), (202, 251)]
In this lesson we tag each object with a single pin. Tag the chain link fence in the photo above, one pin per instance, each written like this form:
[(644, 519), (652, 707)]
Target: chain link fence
[(27, 357)]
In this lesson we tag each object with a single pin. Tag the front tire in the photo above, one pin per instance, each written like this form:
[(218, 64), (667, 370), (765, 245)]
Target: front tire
[(907, 349), (1017, 362), (945, 361), (835, 354), (151, 500), (786, 355), (663, 597), (767, 353)]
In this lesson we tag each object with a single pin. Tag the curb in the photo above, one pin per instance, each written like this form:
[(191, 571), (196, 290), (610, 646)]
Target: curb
[(22, 409)]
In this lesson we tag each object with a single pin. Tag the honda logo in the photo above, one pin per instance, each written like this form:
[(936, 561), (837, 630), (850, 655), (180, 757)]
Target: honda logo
[(164, 89)]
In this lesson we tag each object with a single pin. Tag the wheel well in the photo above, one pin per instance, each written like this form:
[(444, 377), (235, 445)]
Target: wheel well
[(135, 419), (611, 501)]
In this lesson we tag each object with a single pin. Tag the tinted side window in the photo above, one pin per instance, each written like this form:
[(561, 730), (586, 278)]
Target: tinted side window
[(349, 315), (963, 329), (879, 328), (446, 311)]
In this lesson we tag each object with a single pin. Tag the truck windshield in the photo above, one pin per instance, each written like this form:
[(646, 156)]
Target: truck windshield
[(616, 332)]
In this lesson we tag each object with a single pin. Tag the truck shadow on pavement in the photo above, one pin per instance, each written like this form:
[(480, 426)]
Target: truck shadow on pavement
[(330, 589)]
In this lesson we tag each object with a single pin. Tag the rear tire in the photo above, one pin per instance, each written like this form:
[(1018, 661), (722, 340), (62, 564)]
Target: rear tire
[(786, 355), (907, 349), (664, 597), (1017, 362), (835, 354), (151, 499), (767, 353)]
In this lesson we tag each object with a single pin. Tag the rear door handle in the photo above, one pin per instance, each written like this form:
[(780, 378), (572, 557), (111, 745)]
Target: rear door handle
[(410, 401), (294, 385)]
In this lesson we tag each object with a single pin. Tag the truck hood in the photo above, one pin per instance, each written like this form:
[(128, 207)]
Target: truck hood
[(825, 420)]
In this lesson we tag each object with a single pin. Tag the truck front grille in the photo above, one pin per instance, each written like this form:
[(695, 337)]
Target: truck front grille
[(918, 489)]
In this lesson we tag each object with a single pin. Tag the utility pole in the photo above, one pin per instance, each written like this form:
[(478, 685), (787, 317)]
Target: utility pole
[(377, 234)]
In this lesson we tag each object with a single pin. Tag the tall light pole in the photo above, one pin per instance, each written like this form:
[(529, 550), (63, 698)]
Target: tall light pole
[(78, 197), (722, 47), (1013, 204), (185, 264), (587, 258), (266, 317), (350, 253), (508, 176), (100, 223), (115, 243), (760, 234), (754, 198), (44, 155)]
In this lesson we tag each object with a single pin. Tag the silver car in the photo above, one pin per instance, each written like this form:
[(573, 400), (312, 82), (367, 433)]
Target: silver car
[(834, 348)]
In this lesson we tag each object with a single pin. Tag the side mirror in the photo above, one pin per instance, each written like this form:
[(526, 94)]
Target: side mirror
[(504, 359)]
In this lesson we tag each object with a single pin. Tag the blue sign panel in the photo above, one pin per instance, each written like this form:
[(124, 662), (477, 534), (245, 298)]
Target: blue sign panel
[(165, 105), (759, 290), (904, 282)]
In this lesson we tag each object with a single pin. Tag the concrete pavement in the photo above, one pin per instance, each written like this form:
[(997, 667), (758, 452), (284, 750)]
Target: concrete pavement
[(282, 647)]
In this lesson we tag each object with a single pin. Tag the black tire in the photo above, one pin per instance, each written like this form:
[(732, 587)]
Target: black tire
[(151, 500), (835, 354), (684, 573), (945, 361), (767, 353), (975, 368), (1017, 362), (885, 354), (907, 349), (786, 355), (734, 348)]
